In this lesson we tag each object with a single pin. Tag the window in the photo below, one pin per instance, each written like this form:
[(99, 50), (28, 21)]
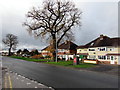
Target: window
[(102, 57), (61, 50), (64, 56), (108, 57), (99, 57), (112, 58), (102, 49), (92, 57), (91, 49), (111, 49)]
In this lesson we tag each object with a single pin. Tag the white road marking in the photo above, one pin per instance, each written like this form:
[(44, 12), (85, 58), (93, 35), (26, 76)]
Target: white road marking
[(19, 75), (41, 84), (32, 81), (35, 87), (26, 78), (28, 83), (10, 71), (23, 77), (35, 82)]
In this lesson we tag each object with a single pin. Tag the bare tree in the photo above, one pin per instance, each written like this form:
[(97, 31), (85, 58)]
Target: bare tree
[(10, 41), (54, 21)]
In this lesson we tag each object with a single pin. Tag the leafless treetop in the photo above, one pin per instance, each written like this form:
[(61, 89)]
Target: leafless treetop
[(56, 16)]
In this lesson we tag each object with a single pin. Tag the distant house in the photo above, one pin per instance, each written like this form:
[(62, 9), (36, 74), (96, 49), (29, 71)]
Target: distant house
[(4, 52), (46, 51), (104, 49), (65, 51)]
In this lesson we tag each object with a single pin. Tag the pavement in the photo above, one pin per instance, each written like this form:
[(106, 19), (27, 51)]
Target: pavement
[(14, 80)]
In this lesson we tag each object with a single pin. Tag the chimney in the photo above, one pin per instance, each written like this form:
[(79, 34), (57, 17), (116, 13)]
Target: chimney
[(101, 37), (66, 42)]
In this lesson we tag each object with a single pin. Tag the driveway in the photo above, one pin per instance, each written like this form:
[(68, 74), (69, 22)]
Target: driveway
[(108, 69)]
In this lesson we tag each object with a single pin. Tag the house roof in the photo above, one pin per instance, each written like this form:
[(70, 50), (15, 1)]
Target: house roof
[(82, 46), (102, 41), (46, 48), (68, 45)]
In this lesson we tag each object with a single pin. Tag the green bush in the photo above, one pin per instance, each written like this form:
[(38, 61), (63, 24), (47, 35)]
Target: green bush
[(47, 56)]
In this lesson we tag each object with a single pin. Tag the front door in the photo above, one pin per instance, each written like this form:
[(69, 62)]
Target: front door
[(112, 61)]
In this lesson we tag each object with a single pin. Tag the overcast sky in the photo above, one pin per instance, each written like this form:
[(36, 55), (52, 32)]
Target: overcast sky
[(99, 17)]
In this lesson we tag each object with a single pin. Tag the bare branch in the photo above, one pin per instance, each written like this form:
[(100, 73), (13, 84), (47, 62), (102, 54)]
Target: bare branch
[(56, 17), (10, 41)]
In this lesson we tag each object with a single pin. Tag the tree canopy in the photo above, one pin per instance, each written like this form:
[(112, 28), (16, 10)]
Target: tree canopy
[(10, 41), (54, 21)]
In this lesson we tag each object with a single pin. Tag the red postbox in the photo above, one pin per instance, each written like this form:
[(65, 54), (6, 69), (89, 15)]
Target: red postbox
[(76, 61)]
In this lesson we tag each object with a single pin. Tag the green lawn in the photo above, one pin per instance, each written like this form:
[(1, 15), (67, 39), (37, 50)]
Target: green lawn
[(30, 59), (70, 64), (60, 63)]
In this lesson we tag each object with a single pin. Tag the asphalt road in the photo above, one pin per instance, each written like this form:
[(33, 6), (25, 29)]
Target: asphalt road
[(58, 77)]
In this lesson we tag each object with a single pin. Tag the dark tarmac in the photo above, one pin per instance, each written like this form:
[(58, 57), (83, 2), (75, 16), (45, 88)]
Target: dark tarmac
[(58, 77)]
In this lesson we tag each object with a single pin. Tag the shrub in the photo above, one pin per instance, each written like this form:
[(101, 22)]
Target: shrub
[(38, 57), (47, 56)]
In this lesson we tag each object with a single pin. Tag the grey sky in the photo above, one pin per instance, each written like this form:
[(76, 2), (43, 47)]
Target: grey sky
[(97, 18)]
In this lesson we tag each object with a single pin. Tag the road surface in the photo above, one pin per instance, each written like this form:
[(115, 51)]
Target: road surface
[(13, 80), (58, 77)]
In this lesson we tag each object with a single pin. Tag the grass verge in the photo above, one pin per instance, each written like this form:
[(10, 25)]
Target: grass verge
[(70, 64), (30, 59), (60, 63)]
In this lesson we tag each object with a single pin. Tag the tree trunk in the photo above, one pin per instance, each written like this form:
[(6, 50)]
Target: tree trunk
[(54, 56), (54, 48), (9, 53)]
